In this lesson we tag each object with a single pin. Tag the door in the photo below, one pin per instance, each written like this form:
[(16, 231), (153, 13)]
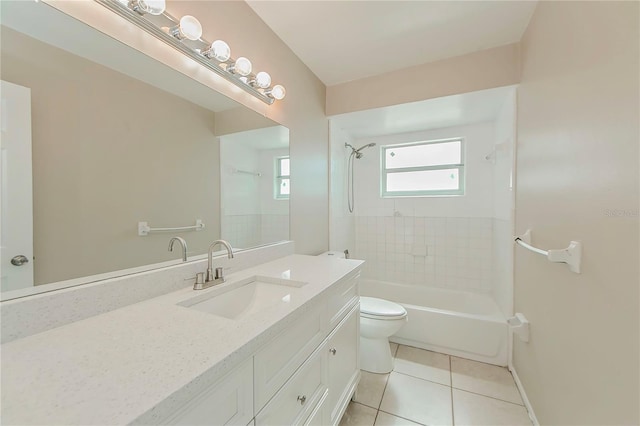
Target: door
[(16, 201)]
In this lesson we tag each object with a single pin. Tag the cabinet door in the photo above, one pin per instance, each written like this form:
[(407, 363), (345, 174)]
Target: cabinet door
[(344, 371), (228, 402)]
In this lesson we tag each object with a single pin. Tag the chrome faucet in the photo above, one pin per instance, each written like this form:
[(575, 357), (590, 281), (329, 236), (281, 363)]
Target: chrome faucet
[(183, 243), (219, 275)]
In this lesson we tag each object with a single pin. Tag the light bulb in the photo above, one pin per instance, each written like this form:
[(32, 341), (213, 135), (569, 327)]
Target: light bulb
[(241, 66), (263, 80), (276, 92), (154, 7), (219, 50), (189, 28)]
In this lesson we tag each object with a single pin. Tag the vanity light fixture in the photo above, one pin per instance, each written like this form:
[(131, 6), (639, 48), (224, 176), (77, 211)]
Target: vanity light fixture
[(219, 50), (189, 28), (262, 80), (276, 92), (242, 66), (185, 35), (154, 7)]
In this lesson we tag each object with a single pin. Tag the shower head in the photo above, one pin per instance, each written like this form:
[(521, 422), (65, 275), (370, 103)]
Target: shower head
[(369, 145), (357, 152)]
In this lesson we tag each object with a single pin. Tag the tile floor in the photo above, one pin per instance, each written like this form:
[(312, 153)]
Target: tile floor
[(430, 388)]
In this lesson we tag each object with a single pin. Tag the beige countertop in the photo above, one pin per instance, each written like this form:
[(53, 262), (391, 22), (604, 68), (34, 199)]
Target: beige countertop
[(139, 363)]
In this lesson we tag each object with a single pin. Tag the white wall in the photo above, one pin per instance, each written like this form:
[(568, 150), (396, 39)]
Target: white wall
[(503, 202), (274, 218), (475, 71), (240, 194), (578, 178), (342, 223), (432, 241), (251, 215)]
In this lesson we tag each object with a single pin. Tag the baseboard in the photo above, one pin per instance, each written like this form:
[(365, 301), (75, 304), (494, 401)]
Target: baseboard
[(525, 399)]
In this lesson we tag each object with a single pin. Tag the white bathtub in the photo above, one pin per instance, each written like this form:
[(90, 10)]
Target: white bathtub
[(458, 323)]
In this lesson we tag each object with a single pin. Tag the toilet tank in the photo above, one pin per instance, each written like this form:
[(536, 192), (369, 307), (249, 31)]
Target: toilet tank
[(334, 253)]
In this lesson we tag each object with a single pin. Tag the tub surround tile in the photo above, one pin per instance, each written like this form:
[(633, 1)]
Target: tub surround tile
[(423, 364), (358, 415), (371, 388), (473, 409), (484, 379), (385, 419), (464, 246), (417, 400)]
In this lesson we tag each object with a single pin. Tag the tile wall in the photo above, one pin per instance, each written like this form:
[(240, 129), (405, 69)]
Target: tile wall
[(452, 252), (250, 230)]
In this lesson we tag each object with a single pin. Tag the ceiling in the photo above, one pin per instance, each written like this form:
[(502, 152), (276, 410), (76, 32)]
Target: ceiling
[(342, 41), (448, 111)]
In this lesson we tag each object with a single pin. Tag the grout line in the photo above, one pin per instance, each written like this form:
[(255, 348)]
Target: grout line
[(491, 397), (404, 418), (453, 416), (420, 378), (366, 405), (385, 389), (375, 419)]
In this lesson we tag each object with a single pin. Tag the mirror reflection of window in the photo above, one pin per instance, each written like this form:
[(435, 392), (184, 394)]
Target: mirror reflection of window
[(282, 182)]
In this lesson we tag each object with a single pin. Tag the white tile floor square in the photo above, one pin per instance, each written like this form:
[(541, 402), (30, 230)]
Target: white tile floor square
[(430, 388)]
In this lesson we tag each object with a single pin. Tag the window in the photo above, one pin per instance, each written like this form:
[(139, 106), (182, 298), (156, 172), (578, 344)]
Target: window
[(282, 181), (423, 169)]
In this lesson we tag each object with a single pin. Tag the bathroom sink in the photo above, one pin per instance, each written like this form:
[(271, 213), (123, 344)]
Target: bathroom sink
[(239, 299)]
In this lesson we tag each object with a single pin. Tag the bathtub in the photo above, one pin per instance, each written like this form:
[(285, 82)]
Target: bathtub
[(458, 323)]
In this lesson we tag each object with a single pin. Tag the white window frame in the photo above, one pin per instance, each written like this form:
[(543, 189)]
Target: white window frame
[(427, 193), (279, 177)]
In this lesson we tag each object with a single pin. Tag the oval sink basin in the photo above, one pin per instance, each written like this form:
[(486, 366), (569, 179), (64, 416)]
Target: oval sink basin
[(246, 297)]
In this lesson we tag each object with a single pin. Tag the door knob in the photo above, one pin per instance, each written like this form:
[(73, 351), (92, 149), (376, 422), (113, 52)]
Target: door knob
[(19, 260)]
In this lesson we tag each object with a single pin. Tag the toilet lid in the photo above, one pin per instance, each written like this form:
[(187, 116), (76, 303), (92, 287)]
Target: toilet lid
[(380, 307)]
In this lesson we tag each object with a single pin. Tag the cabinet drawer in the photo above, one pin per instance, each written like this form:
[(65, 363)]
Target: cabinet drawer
[(316, 418), (341, 299), (229, 401), (280, 358), (295, 402)]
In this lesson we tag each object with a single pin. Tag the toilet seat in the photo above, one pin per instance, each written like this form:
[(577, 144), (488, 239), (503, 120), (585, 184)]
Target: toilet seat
[(380, 309)]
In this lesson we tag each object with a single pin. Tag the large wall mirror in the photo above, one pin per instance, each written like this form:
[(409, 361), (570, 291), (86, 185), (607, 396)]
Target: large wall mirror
[(117, 138)]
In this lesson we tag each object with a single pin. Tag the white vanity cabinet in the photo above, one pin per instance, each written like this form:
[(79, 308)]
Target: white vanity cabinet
[(343, 365), (305, 375), (229, 401)]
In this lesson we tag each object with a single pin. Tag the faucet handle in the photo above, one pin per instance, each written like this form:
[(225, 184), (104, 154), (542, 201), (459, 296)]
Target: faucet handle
[(219, 273), (200, 278)]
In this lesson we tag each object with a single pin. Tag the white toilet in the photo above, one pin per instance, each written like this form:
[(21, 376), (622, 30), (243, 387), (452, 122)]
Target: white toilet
[(379, 319)]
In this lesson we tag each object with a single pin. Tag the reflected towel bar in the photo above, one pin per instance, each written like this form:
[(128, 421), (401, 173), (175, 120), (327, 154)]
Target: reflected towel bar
[(247, 172), (145, 229), (571, 255)]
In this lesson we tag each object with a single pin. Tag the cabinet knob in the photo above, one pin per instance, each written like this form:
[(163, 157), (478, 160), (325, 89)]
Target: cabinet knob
[(333, 351), (302, 399), (19, 260)]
